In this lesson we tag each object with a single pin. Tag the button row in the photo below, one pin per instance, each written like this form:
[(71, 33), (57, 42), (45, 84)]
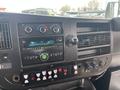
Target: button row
[(26, 81), (44, 75), (31, 57), (43, 56), (56, 54)]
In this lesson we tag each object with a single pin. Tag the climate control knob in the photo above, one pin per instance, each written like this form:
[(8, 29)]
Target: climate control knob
[(43, 28), (28, 29), (56, 28)]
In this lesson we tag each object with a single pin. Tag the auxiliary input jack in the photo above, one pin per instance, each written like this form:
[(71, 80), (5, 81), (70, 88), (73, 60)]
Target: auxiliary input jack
[(16, 78)]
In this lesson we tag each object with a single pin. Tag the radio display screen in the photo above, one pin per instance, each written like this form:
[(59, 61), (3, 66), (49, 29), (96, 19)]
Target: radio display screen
[(35, 43), (42, 42)]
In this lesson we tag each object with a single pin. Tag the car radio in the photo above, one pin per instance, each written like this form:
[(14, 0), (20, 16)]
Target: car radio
[(41, 49), (37, 51)]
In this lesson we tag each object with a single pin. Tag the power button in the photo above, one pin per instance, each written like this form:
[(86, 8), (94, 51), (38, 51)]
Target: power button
[(44, 56)]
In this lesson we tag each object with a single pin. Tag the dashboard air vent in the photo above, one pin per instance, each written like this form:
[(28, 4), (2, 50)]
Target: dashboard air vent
[(5, 37), (92, 27)]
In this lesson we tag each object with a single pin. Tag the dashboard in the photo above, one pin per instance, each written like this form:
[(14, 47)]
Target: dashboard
[(37, 51)]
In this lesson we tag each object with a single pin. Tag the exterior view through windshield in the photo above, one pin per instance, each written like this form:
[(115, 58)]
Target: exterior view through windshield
[(67, 8)]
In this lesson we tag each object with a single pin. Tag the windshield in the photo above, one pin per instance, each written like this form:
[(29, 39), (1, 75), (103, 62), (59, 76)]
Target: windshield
[(67, 8)]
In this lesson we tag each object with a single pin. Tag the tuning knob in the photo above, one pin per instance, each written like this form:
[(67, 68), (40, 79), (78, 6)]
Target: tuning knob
[(71, 40)]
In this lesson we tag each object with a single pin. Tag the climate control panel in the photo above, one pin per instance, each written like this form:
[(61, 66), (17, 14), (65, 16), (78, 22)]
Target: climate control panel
[(40, 29)]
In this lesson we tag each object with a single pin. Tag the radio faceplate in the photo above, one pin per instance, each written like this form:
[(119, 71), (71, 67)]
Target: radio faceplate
[(39, 50)]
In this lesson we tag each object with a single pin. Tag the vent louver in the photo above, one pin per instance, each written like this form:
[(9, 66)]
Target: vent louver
[(92, 27), (5, 37), (94, 39)]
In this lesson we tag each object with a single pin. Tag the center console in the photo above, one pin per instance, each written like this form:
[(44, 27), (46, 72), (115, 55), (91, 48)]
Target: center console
[(37, 51)]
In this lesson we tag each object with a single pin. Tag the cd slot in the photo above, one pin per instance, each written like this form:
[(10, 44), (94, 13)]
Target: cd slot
[(93, 52)]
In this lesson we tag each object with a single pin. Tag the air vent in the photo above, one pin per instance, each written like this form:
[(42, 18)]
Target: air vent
[(93, 52), (89, 40), (5, 37), (92, 27)]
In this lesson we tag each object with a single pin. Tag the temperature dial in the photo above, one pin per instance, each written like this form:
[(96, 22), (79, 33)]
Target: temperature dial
[(56, 28), (28, 29), (43, 28)]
